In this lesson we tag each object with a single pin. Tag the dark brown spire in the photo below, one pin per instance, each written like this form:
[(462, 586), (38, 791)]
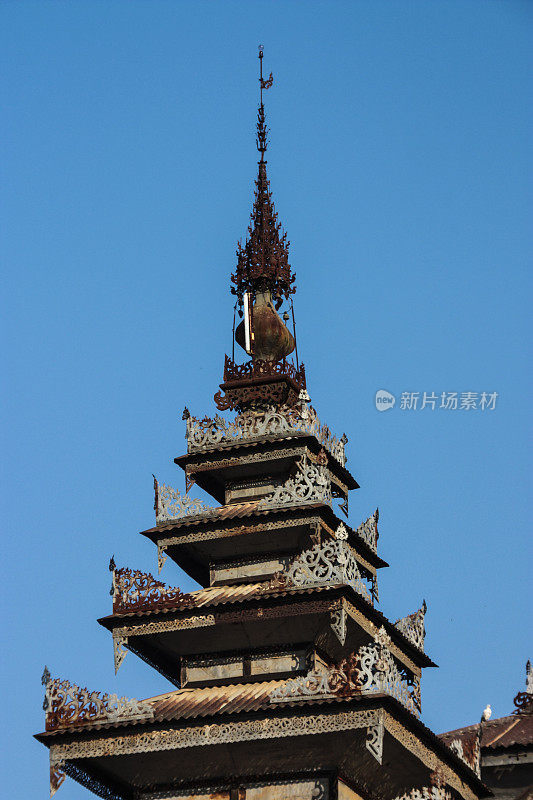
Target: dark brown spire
[(263, 262)]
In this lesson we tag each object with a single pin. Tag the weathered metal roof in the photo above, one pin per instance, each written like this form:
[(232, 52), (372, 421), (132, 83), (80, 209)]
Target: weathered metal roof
[(208, 701), (501, 732)]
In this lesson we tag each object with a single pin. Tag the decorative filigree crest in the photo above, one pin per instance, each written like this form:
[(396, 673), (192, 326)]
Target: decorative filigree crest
[(171, 504), (139, 591), (368, 531), (67, 704), (252, 425), (329, 563), (371, 669), (310, 484), (412, 627)]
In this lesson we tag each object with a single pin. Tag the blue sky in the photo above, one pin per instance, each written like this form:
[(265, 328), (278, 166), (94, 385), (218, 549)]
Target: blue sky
[(400, 164)]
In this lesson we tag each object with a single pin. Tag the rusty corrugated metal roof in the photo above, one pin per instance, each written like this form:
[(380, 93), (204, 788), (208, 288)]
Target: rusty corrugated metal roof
[(501, 732), (207, 701)]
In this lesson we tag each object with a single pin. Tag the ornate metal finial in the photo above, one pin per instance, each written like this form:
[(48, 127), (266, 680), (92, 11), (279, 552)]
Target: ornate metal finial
[(524, 700), (263, 262), (45, 678), (186, 413), (112, 565), (262, 130)]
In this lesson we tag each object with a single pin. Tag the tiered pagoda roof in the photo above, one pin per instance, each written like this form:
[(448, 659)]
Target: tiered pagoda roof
[(290, 683)]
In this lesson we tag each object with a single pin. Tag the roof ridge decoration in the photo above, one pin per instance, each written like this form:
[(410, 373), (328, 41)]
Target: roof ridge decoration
[(369, 670), (368, 531), (524, 700), (170, 503), (67, 705), (251, 425), (133, 590), (412, 627)]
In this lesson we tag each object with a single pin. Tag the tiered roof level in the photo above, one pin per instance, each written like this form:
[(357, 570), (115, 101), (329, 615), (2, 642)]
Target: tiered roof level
[(288, 682)]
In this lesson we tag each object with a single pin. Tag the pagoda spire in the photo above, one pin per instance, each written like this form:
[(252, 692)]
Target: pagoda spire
[(263, 262)]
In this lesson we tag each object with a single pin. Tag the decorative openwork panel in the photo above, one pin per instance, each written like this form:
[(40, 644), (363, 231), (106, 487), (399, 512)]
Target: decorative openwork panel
[(329, 563), (310, 484), (371, 669), (253, 425), (368, 531), (69, 705), (257, 368), (469, 750), (427, 793), (139, 591), (412, 626), (170, 504)]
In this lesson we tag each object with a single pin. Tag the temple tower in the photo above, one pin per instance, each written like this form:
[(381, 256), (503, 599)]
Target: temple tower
[(287, 680)]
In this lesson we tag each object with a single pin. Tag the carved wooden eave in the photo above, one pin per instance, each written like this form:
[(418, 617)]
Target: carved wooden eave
[(377, 742), (243, 529), (278, 616), (209, 466)]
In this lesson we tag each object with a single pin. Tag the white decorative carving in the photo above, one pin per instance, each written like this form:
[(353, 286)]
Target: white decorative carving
[(119, 652), (310, 484), (252, 425), (341, 533), (330, 563), (171, 504), (338, 623), (374, 740), (426, 793), (368, 531), (412, 626)]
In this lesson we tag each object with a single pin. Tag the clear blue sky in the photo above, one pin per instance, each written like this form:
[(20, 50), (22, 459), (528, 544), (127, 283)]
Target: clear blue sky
[(400, 166)]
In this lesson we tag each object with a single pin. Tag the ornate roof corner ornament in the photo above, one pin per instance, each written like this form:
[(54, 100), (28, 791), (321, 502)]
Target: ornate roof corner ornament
[(170, 504), (57, 776), (524, 700), (252, 425), (310, 484), (134, 590), (412, 627), (161, 557), (374, 740), (67, 704), (119, 652), (338, 623), (327, 564), (368, 531), (341, 534)]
